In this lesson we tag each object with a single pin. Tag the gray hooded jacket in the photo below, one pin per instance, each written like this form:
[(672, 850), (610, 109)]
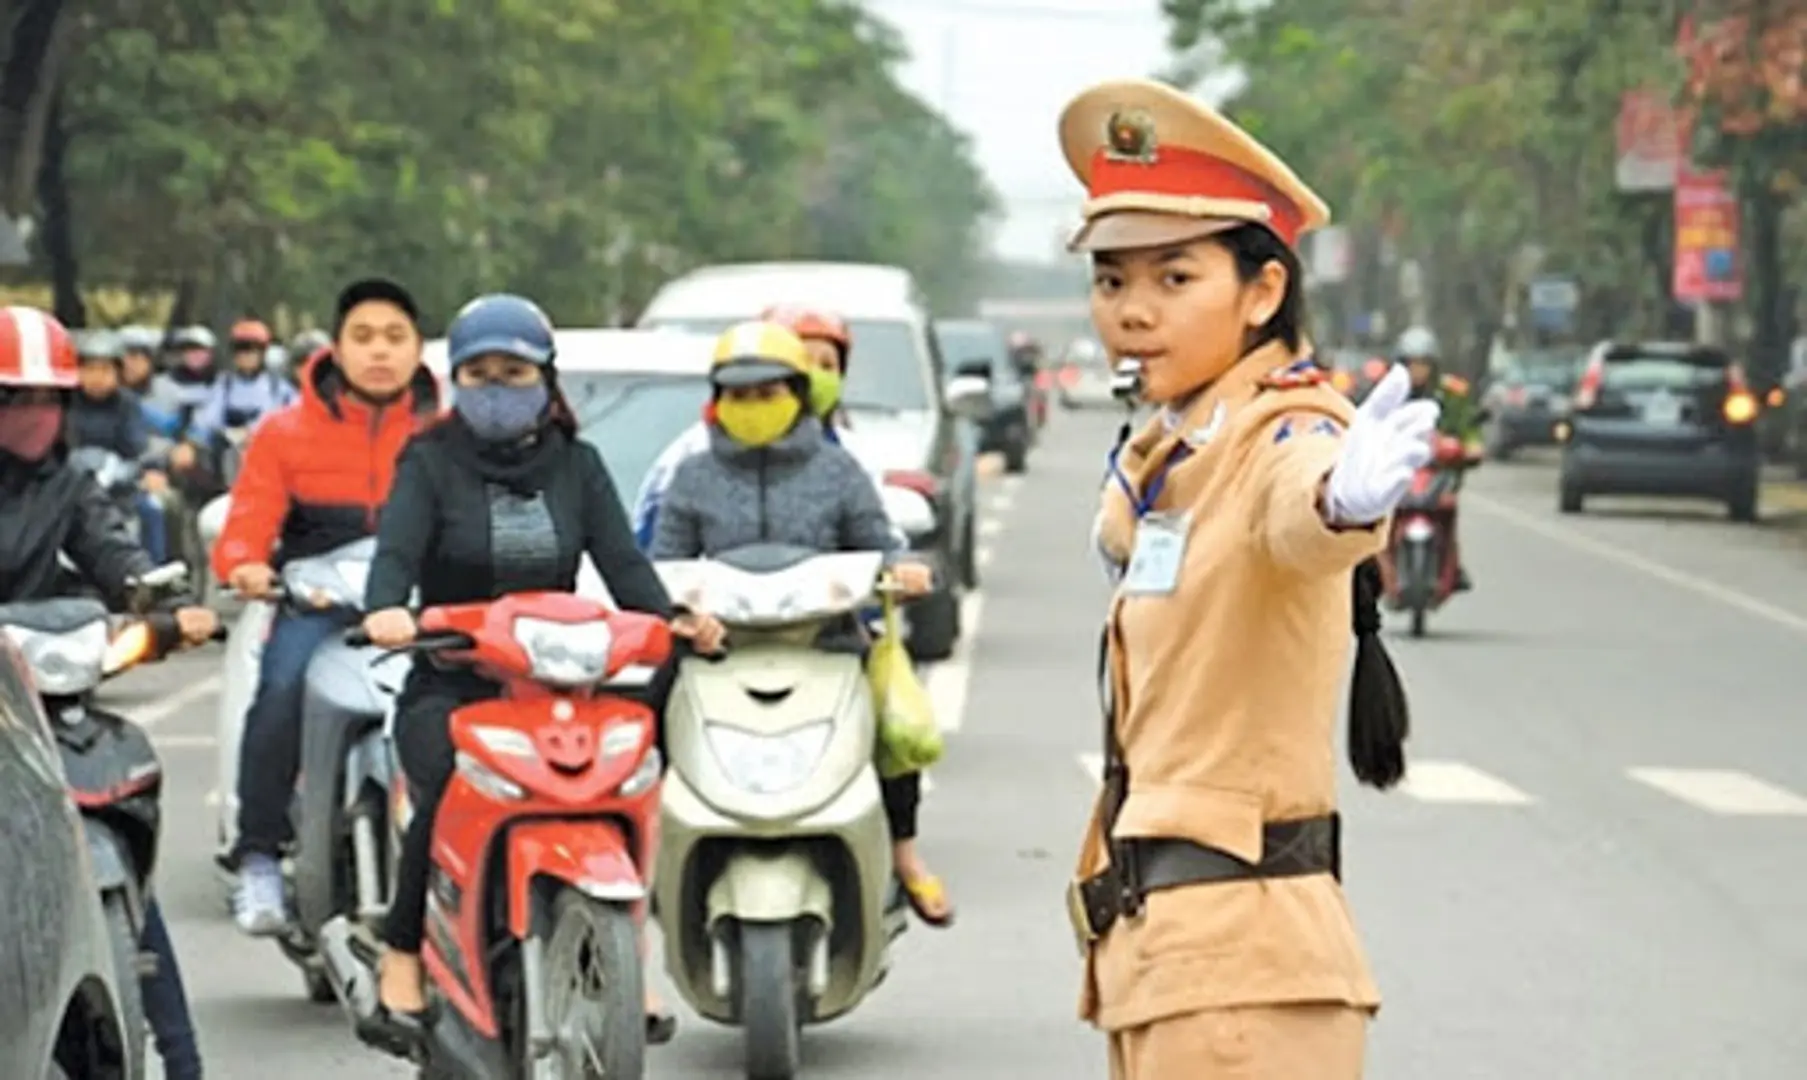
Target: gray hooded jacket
[(801, 490)]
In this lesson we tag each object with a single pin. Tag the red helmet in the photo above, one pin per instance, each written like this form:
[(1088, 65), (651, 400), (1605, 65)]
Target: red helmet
[(35, 350), (251, 332), (809, 323)]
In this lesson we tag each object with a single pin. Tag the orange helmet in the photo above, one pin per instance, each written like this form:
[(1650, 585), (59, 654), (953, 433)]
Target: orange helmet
[(809, 323), (251, 332), (35, 350)]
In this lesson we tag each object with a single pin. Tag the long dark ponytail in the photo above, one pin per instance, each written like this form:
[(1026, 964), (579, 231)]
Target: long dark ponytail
[(1380, 721)]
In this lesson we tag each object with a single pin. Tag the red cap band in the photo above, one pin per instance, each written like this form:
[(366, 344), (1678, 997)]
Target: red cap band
[(1189, 174)]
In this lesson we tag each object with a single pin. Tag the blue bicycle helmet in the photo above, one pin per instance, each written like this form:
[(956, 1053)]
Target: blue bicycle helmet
[(500, 323)]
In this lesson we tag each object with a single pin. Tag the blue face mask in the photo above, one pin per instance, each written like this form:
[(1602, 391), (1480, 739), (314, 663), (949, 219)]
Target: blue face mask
[(502, 413)]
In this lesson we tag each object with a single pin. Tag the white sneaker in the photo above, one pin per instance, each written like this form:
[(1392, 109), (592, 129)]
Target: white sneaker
[(258, 902)]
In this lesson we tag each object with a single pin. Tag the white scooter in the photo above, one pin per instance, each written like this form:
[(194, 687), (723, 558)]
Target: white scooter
[(775, 882), (341, 861)]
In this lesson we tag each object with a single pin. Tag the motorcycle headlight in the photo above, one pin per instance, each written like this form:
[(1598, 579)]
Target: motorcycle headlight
[(768, 764), (565, 654), (1419, 530), (66, 664)]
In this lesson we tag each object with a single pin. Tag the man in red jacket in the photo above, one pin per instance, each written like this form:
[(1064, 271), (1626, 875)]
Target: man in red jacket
[(315, 474)]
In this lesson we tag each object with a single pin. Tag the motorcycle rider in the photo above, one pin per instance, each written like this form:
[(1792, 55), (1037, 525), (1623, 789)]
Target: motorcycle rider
[(108, 415), (771, 475), (1420, 351), (826, 337), (47, 507), (499, 497), (247, 391), (315, 473), (304, 345)]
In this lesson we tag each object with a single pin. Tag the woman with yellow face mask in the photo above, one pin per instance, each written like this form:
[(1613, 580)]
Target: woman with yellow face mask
[(771, 476)]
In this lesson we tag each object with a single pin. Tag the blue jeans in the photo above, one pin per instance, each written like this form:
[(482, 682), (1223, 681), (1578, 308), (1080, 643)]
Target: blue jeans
[(269, 755), (153, 534), (166, 1003)]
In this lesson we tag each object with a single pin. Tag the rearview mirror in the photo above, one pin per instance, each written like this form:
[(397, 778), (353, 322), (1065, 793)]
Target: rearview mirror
[(969, 396), (212, 519)]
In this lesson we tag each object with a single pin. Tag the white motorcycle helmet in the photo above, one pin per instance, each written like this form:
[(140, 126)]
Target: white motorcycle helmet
[(1417, 343)]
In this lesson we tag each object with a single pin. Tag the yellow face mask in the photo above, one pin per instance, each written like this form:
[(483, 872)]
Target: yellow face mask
[(758, 422), (824, 391)]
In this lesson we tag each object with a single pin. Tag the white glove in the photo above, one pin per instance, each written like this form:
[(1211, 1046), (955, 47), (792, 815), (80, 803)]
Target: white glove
[(1389, 440)]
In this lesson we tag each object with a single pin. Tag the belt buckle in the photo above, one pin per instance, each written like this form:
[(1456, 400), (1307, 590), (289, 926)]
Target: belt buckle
[(1080, 917)]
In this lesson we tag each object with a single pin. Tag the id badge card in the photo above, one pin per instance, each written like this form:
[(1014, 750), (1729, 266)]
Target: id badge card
[(1154, 565)]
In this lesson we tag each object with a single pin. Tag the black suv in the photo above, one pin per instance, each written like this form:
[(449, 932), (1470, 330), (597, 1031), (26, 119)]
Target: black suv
[(1662, 418)]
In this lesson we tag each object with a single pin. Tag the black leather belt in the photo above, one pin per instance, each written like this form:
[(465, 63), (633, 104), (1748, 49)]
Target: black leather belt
[(1139, 867)]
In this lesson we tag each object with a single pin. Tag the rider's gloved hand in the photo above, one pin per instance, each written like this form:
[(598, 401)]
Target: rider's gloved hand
[(705, 632), (1389, 440), (390, 628), (254, 581)]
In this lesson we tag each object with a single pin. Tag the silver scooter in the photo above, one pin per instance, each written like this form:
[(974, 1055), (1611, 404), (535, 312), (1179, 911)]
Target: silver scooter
[(340, 863), (775, 882)]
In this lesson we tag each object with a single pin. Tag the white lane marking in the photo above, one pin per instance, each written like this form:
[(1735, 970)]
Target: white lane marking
[(928, 783), (1000, 502), (990, 527), (154, 714), (212, 798), (1700, 586), (1454, 782), (947, 680), (1011, 484), (982, 557), (1427, 781), (1723, 791)]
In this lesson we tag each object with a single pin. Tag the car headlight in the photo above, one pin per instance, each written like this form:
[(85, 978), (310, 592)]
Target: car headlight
[(66, 664), (565, 654), (768, 764)]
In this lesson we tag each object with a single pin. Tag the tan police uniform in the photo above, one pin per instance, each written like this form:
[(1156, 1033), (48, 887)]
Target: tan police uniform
[(1207, 898)]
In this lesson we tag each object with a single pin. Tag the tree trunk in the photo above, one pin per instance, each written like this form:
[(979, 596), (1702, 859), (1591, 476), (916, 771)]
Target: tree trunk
[(1765, 279), (59, 225), (27, 84)]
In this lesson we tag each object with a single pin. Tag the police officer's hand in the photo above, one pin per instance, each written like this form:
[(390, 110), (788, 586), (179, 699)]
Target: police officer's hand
[(253, 581), (705, 632), (913, 578), (1389, 440), (197, 624), (182, 456), (390, 628)]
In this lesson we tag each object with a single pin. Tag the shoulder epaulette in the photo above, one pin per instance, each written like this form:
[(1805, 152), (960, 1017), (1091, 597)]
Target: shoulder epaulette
[(1294, 377)]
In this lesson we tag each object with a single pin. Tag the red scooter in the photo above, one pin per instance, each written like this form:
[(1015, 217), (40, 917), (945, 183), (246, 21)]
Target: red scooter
[(536, 893), (1419, 572)]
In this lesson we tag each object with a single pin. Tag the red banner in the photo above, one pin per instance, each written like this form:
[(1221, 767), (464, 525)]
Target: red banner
[(1706, 238)]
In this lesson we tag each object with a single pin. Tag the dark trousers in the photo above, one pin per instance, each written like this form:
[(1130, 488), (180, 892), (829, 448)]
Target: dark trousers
[(902, 795), (423, 744), (166, 1002), (269, 757)]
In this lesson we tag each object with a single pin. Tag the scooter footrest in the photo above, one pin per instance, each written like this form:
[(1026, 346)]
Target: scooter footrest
[(393, 1033)]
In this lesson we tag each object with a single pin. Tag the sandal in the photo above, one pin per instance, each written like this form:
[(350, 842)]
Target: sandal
[(661, 1027), (925, 894)]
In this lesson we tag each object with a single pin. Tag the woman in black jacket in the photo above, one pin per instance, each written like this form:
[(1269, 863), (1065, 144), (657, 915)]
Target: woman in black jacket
[(498, 498), (47, 507)]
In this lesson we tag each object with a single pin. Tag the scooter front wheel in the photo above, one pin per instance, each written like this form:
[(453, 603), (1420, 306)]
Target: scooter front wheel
[(768, 1000), (592, 993)]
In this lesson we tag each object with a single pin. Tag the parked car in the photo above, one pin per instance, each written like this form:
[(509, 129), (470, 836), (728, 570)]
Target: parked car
[(976, 349), (1529, 395), (60, 1005), (1084, 379), (1662, 418), (903, 408)]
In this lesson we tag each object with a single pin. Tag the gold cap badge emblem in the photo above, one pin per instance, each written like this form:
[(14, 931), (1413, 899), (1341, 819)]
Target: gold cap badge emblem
[(1130, 136)]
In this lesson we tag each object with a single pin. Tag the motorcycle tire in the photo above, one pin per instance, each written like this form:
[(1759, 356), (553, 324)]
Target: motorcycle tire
[(767, 985), (608, 934), (125, 948)]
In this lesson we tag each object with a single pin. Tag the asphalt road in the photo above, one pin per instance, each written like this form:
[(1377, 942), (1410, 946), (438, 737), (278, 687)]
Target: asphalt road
[(1593, 874)]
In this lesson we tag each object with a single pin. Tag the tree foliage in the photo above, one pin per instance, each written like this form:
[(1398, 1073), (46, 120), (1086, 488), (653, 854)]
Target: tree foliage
[(262, 152), (1467, 133)]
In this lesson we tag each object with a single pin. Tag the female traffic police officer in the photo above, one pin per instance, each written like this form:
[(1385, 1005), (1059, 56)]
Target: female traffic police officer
[(1207, 899)]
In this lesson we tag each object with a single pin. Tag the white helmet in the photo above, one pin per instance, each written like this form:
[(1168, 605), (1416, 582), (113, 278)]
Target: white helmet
[(1418, 343)]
